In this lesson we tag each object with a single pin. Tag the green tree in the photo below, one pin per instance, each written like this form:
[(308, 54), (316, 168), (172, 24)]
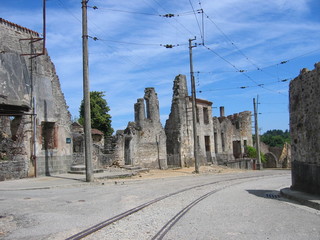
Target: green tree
[(252, 153), (275, 138), (100, 118)]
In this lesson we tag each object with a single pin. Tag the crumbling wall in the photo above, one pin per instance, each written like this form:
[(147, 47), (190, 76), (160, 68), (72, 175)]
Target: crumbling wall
[(178, 127), (304, 129), (23, 79), (232, 134), (14, 163), (144, 141)]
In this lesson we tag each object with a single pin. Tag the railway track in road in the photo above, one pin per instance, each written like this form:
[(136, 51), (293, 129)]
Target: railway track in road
[(159, 234)]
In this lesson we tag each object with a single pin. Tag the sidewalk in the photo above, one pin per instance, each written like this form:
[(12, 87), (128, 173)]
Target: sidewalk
[(306, 199), (59, 180)]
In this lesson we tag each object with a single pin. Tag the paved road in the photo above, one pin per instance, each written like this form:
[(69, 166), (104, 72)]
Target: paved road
[(244, 208)]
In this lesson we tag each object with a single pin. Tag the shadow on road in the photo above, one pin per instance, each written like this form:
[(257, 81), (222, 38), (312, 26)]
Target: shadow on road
[(272, 194)]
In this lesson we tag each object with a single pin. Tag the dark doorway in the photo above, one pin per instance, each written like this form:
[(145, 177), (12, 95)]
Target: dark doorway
[(127, 154), (208, 148), (236, 149)]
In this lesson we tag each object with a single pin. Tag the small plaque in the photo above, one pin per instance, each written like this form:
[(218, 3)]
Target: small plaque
[(68, 140)]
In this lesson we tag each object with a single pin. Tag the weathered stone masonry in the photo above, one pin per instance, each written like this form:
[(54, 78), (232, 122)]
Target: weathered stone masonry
[(21, 79), (143, 142), (304, 130), (221, 139)]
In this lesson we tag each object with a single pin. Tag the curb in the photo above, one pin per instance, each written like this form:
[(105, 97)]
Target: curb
[(306, 199)]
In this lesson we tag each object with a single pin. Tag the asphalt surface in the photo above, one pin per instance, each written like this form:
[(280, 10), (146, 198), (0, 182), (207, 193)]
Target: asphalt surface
[(56, 207), (63, 180)]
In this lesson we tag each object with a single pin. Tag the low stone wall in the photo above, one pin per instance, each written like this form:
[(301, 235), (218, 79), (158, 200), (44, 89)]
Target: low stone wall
[(51, 164), (240, 164), (13, 169)]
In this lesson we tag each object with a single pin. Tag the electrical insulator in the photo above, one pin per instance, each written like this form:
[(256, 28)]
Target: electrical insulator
[(168, 15)]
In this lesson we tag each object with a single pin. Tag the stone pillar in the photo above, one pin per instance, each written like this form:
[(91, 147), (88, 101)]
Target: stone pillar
[(221, 111), (139, 112), (152, 105)]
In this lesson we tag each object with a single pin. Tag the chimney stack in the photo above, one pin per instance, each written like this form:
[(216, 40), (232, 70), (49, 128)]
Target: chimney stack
[(221, 111)]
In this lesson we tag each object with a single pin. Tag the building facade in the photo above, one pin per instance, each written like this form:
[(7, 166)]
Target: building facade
[(35, 121), (220, 139)]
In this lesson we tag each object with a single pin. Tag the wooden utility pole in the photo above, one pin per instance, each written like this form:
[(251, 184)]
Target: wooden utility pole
[(259, 167), (86, 95), (194, 111)]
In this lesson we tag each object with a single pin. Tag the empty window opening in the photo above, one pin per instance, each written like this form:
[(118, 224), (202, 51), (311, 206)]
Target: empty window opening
[(222, 142), (207, 143), (205, 116), (197, 114)]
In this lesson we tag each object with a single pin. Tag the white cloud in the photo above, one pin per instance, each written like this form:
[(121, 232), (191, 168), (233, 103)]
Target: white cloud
[(266, 32)]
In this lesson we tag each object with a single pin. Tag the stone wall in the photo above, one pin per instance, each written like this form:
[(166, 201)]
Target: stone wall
[(178, 128), (23, 79), (143, 142), (304, 130), (217, 136), (232, 134)]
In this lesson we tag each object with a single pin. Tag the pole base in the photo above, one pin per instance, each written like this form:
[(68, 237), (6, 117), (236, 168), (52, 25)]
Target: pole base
[(259, 166)]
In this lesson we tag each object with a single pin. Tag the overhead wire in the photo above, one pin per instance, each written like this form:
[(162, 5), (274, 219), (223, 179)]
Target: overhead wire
[(243, 87), (243, 73), (290, 59), (184, 27), (167, 15), (141, 44), (236, 47), (195, 15), (62, 5)]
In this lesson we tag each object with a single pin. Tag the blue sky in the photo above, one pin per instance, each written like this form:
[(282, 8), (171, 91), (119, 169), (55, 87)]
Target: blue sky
[(245, 42)]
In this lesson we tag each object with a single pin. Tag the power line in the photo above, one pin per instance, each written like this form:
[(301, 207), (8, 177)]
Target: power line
[(167, 15), (62, 5), (195, 15), (246, 75), (141, 44), (174, 18), (236, 47), (244, 87), (293, 58)]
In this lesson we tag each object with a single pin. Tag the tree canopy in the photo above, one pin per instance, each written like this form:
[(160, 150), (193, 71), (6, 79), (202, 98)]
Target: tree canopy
[(100, 118), (275, 138)]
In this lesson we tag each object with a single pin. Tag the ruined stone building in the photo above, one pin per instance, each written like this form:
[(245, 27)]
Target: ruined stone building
[(143, 142), (304, 129), (276, 157), (98, 145), (35, 135), (231, 135), (220, 139)]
